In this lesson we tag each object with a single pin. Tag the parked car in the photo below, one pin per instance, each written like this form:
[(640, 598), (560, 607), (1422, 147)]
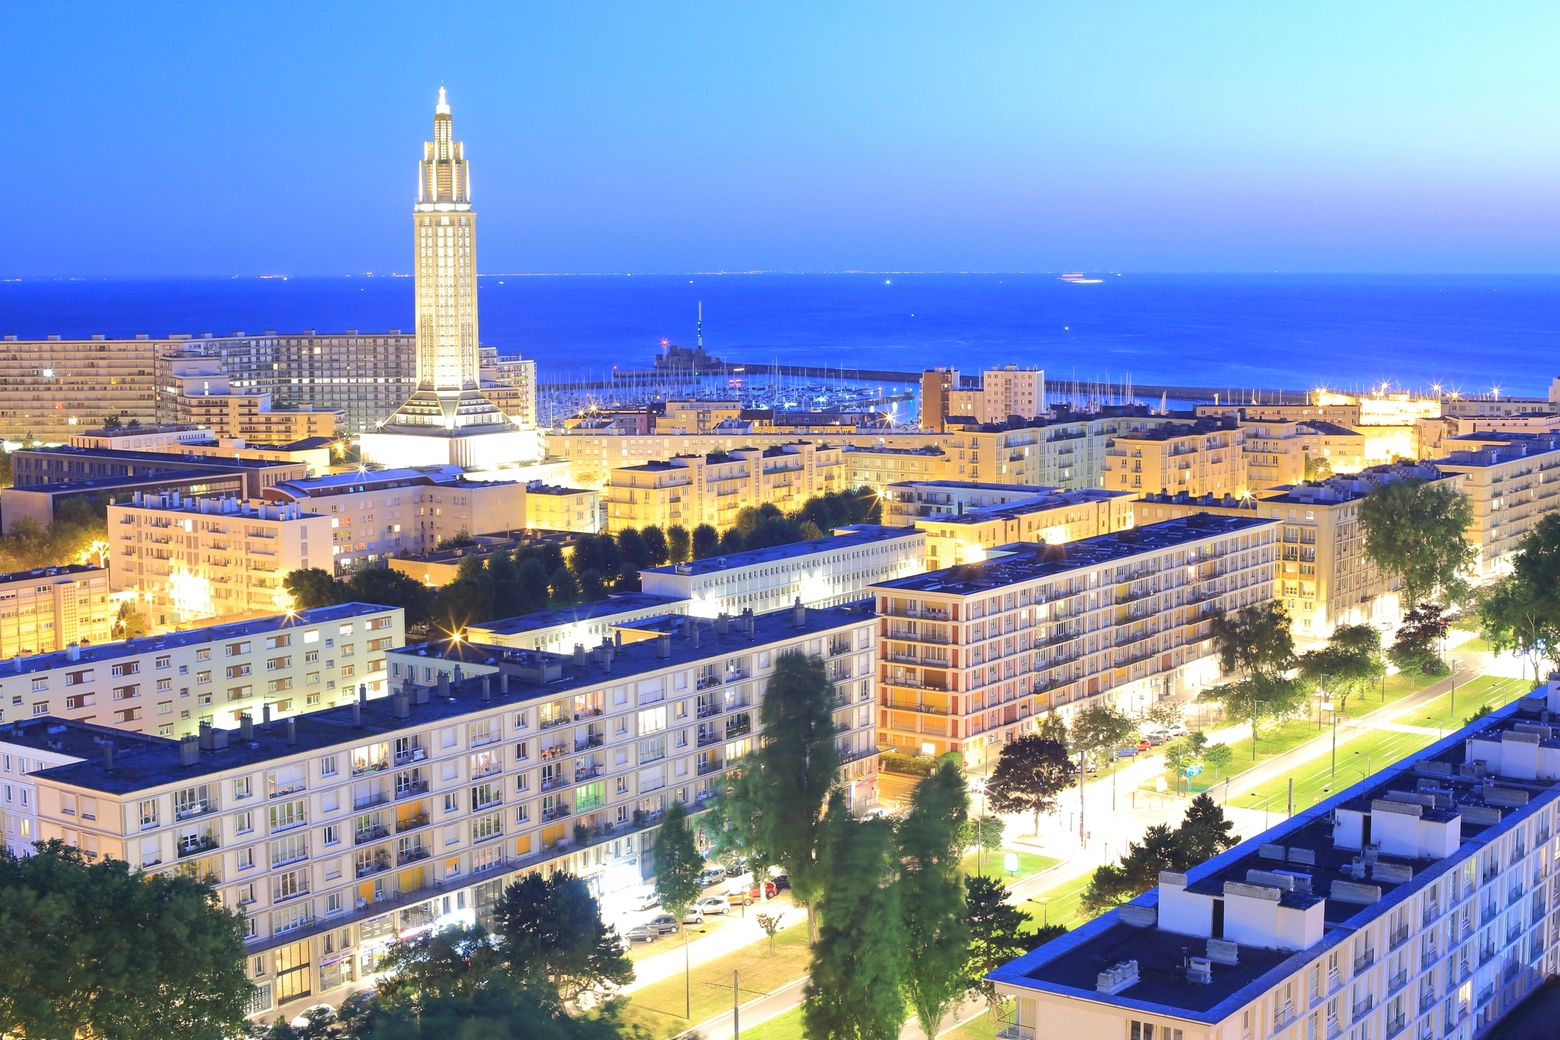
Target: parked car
[(647, 900), (641, 933), (1130, 751), (693, 915), (1176, 729), (664, 924), (712, 876), (769, 890), (739, 896), (1156, 738), (714, 904), (782, 882)]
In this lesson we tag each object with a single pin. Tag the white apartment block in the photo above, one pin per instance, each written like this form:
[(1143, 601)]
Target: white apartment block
[(53, 607), (341, 830), (1421, 903), (374, 516), (587, 624), (824, 572), (171, 684), (195, 559), (972, 654), (712, 489), (907, 501)]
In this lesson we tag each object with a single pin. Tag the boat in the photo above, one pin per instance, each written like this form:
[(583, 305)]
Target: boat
[(1079, 278)]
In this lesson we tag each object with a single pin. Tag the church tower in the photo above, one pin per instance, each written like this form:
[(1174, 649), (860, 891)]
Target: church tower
[(447, 419)]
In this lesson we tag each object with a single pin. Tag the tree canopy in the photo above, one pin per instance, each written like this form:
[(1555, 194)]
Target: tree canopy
[(1351, 663), (931, 897), (1257, 641), (1204, 833), (678, 864), (1417, 648), (1521, 612), (554, 939), (1032, 772), (93, 947), (1414, 529)]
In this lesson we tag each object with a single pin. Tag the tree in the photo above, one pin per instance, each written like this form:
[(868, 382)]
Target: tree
[(129, 623), (394, 589), (1031, 774), (1204, 831), (770, 923), (635, 551), (440, 963), (996, 932), (678, 864), (854, 987), (1164, 714), (1098, 729), (706, 542), (677, 544), (312, 587), (1257, 700), (655, 545), (734, 822), (95, 948), (798, 767), (931, 895), (1521, 612), (984, 832), (1054, 727), (1317, 467), (554, 938), (1219, 756), (1257, 641), (1351, 663), (1417, 649), (1414, 529), (1178, 757)]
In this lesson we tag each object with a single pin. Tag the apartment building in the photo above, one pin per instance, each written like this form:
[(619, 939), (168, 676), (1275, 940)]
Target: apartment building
[(907, 501), (203, 396), (51, 608), (820, 572), (1199, 457), (379, 515), (174, 439), (313, 452), (41, 503), (712, 489), (1001, 394), (1324, 578), (510, 383), (552, 507), (970, 655), (1279, 453), (57, 465), (283, 664), (52, 387), (30, 745), (586, 624), (189, 560), (1419, 902), (696, 416), (1055, 517), (878, 466), (341, 830), (1514, 481)]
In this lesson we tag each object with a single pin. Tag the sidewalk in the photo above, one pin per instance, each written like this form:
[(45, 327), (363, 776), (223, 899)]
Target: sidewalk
[(728, 936)]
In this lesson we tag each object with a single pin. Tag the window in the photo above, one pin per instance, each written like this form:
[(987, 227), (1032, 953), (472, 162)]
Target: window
[(244, 822), (148, 813), (484, 827), (289, 849), (652, 720), (203, 654), (333, 834), (452, 802), (287, 814), (292, 962), (328, 765), (242, 787), (165, 662)]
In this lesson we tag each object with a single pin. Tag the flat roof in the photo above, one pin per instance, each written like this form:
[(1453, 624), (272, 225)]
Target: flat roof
[(619, 603), (164, 457), (187, 475), (100, 652), (156, 763), (843, 538), (68, 570), (69, 737), (1071, 964), (972, 485), (1025, 561), (1012, 510)]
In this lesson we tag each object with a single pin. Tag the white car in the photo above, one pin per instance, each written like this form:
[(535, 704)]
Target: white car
[(714, 905), (1176, 729)]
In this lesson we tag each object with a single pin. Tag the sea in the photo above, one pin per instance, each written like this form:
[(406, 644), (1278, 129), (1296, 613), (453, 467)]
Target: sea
[(1472, 334)]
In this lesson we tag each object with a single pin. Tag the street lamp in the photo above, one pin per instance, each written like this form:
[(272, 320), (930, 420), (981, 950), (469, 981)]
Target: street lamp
[(1367, 761), (1045, 910)]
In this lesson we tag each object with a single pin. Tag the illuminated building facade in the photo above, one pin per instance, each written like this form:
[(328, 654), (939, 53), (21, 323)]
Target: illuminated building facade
[(1056, 517), (50, 609)]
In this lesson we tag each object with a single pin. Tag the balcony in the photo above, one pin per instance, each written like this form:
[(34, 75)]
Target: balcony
[(711, 709), (592, 740), (709, 681), (372, 798), (194, 845), (1427, 1001), (189, 812), (554, 721), (1363, 1007), (1395, 1025), (373, 833), (411, 855), (1398, 981), (711, 766), (555, 781), (555, 812), (708, 735), (410, 788), (1283, 1016), (1398, 937), (1364, 961), (588, 713), (905, 635), (1428, 958), (1432, 912), (378, 865), (411, 823), (588, 773)]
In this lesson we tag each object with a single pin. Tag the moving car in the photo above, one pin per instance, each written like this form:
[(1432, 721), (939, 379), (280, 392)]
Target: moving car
[(770, 891), (714, 904), (664, 924), (782, 882)]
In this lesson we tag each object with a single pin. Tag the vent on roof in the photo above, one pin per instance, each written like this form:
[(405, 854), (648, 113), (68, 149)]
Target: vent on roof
[(1353, 892), (1223, 951), (1507, 796), (1394, 872), (1306, 856), (1139, 916), (1199, 970), (1273, 852), (1117, 977)]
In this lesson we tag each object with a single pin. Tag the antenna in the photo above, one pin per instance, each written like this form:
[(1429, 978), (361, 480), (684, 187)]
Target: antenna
[(699, 327)]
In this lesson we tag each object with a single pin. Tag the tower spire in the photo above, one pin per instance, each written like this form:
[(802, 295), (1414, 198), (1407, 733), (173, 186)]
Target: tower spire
[(443, 107)]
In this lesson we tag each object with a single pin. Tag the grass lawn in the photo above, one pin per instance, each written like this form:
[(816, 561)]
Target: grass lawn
[(659, 1006), (1315, 780), (785, 1026), (1061, 906), (991, 864), (981, 1027)]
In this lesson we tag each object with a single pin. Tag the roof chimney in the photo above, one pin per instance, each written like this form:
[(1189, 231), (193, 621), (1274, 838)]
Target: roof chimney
[(362, 693), (265, 717), (444, 686), (799, 618), (503, 683), (663, 645), (73, 651), (579, 657), (207, 740), (292, 730), (189, 749), (487, 694), (357, 715), (246, 727), (722, 624), (401, 704), (108, 756)]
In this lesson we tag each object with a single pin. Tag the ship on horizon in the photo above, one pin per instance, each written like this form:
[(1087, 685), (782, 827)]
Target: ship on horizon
[(1079, 278)]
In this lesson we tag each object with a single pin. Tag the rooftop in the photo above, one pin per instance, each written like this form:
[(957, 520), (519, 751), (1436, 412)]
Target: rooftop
[(24, 665), (843, 538), (619, 603), (968, 485), (1170, 431), (160, 457), (69, 570), (1026, 561), (1053, 500), (157, 480), (535, 675), (68, 737), (1320, 856)]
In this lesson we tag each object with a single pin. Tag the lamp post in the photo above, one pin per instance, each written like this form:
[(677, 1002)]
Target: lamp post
[(1367, 762)]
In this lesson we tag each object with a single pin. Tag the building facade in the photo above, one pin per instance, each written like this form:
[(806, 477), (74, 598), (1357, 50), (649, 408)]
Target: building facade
[(1199, 458), (1055, 518), (345, 829), (34, 466), (169, 685), (203, 397), (1514, 481), (586, 624), (1420, 902), (910, 500), (51, 608), (969, 656), (712, 489), (550, 507), (188, 560)]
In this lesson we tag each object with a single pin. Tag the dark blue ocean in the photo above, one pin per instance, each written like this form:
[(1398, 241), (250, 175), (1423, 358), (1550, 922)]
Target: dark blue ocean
[(1470, 333)]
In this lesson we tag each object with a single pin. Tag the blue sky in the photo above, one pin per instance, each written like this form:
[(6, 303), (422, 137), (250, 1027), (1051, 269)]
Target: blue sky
[(220, 139)]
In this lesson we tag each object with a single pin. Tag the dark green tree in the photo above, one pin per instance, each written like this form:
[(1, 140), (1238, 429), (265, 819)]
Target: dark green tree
[(655, 545), (706, 542), (854, 988), (931, 895), (1521, 612), (996, 930), (444, 963), (92, 948), (1097, 731), (677, 544), (1417, 649), (635, 552), (554, 938), (1257, 641), (1031, 774), (1351, 663), (312, 587), (798, 766), (1414, 529), (1204, 831), (677, 862), (129, 623), (393, 589)]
